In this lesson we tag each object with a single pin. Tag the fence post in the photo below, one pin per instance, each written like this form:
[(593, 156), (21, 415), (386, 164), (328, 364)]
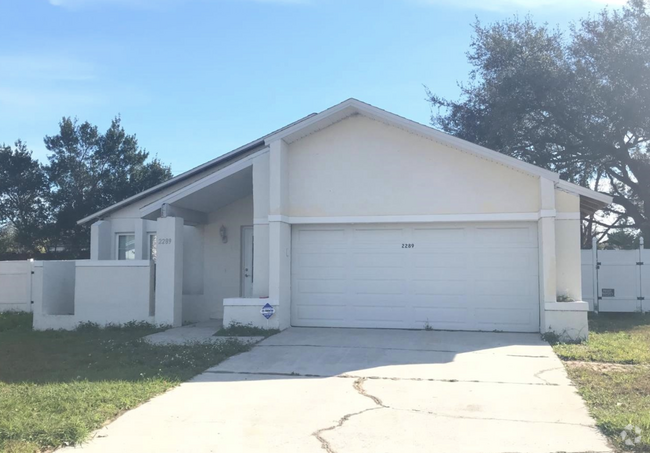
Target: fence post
[(640, 264), (594, 269)]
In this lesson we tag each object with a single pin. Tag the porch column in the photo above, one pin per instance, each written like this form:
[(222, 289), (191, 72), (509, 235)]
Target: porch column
[(100, 240), (141, 243), (279, 232), (261, 226), (169, 271), (280, 270), (546, 238)]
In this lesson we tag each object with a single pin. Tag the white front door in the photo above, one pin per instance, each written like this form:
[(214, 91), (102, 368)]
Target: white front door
[(247, 261), (464, 276)]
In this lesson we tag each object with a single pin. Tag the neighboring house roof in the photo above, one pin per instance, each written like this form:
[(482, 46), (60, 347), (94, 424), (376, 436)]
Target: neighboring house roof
[(316, 121)]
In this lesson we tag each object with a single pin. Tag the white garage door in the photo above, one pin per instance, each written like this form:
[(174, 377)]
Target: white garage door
[(449, 276)]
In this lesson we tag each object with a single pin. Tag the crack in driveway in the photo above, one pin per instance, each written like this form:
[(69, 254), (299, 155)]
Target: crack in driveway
[(539, 373), (379, 404), (358, 386)]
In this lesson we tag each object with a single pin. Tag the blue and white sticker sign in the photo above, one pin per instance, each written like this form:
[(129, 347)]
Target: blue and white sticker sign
[(267, 311)]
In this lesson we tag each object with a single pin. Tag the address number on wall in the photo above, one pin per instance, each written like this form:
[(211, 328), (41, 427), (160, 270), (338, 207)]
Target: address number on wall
[(408, 246), (164, 241)]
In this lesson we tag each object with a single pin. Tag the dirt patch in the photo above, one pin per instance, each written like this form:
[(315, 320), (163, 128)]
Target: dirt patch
[(607, 367)]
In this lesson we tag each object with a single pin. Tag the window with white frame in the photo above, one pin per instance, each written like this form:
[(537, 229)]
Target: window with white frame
[(126, 246), (152, 246)]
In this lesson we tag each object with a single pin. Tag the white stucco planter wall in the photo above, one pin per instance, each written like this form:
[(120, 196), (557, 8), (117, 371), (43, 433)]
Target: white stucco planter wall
[(247, 311), (567, 319)]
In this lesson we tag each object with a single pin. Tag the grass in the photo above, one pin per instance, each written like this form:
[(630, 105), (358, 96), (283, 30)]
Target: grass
[(612, 373), (56, 387), (613, 338), (236, 329)]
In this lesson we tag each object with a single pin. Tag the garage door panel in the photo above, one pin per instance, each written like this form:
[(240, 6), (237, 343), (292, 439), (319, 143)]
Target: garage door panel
[(509, 302), (446, 237), (377, 273), (438, 300), (314, 259), (326, 299), (376, 237), (456, 276), (443, 260), (321, 286), (379, 300), (372, 260), (439, 287), (453, 318), (437, 273), (385, 315), (323, 313), (501, 288), (504, 319), (510, 259), (324, 273), (378, 286)]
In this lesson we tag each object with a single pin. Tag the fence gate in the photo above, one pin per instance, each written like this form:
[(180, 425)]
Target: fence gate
[(15, 285), (621, 278)]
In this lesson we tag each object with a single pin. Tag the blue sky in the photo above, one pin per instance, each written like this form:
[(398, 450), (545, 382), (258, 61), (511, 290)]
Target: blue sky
[(197, 78)]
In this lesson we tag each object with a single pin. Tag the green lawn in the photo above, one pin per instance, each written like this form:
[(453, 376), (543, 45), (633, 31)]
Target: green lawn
[(612, 373), (57, 387), (237, 329)]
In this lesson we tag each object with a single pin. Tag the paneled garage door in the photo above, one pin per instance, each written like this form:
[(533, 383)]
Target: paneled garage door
[(449, 276)]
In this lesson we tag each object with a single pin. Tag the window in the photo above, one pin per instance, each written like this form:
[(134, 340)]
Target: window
[(126, 246), (152, 246)]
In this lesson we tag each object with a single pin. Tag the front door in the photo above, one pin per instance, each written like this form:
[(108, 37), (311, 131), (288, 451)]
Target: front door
[(247, 261)]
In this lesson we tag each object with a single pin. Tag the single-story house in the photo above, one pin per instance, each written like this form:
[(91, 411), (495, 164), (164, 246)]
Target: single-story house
[(357, 217)]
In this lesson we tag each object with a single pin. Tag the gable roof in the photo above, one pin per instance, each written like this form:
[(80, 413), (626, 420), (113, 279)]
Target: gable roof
[(317, 121), (224, 158)]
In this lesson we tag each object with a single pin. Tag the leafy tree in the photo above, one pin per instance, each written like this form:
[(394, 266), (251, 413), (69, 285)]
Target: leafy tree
[(622, 240), (576, 103), (23, 189), (89, 171)]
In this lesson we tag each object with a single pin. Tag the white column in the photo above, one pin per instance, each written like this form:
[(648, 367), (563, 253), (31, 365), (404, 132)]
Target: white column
[(100, 240), (546, 238), (569, 258), (141, 240), (261, 226), (279, 232), (280, 270), (169, 271)]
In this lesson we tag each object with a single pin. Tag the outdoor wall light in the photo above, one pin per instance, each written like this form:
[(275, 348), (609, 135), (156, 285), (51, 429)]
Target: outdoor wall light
[(223, 234)]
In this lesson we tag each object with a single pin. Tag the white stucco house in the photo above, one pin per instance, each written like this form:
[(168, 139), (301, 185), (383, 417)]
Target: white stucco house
[(352, 217)]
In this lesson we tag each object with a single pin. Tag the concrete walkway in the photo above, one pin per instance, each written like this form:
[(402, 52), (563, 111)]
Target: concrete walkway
[(352, 390), (202, 332)]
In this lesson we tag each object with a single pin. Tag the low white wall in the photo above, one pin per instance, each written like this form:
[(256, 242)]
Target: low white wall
[(15, 286), (567, 319), (53, 295), (195, 309), (113, 292), (247, 311), (58, 287)]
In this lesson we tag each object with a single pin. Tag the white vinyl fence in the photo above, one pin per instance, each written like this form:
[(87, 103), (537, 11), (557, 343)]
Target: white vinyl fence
[(16, 285), (619, 280), (62, 294)]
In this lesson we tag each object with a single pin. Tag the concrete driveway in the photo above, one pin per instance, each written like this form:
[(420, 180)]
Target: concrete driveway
[(352, 390)]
